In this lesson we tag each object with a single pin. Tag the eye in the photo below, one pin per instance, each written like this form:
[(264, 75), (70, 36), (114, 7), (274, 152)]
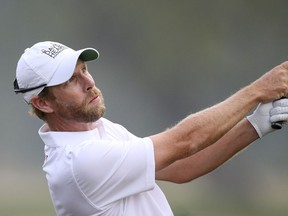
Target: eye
[(84, 69), (71, 80)]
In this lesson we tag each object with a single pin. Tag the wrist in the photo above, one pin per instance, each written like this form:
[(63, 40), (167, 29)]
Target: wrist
[(252, 92), (254, 126), (260, 119)]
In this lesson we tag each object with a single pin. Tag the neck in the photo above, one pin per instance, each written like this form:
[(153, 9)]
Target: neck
[(69, 125)]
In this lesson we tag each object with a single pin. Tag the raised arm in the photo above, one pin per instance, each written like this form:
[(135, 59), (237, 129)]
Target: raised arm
[(258, 124), (207, 160), (200, 130)]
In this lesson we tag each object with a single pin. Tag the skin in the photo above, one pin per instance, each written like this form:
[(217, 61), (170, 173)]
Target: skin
[(207, 160), (196, 145), (63, 112)]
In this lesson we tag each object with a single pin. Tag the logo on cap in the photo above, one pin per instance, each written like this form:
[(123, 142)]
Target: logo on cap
[(54, 50)]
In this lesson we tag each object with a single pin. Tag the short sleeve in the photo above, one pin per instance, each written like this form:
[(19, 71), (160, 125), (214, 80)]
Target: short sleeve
[(106, 171)]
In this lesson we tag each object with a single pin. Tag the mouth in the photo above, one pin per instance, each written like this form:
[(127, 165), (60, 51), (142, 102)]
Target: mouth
[(94, 99)]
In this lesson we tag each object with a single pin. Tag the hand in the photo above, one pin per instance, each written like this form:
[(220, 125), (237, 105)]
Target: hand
[(272, 85), (279, 112), (265, 114)]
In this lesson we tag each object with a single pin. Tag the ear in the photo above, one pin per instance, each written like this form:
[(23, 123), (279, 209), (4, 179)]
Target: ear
[(41, 104)]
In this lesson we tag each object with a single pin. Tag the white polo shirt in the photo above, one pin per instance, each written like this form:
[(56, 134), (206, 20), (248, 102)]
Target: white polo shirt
[(105, 171)]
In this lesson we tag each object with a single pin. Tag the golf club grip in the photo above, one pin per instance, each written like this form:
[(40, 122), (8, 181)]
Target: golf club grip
[(277, 125)]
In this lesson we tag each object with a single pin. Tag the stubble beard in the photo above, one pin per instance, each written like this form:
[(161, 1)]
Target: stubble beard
[(84, 112)]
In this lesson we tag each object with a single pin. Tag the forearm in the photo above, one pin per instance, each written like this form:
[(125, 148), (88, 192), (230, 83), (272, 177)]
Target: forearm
[(199, 130), (212, 157), (204, 128)]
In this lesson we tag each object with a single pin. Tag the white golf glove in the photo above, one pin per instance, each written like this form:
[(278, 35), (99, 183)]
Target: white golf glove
[(266, 114), (279, 112)]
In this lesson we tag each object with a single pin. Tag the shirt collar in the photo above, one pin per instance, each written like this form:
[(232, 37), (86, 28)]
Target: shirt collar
[(58, 138)]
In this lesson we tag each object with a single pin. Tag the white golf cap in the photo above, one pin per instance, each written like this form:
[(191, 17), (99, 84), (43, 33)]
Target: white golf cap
[(47, 64)]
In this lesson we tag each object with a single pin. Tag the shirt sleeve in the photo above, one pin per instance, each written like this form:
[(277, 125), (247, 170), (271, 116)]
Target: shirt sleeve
[(107, 171)]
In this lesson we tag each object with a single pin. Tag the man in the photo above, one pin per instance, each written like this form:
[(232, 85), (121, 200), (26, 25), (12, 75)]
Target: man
[(96, 167)]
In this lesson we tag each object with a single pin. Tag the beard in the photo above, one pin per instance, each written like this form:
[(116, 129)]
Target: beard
[(84, 112)]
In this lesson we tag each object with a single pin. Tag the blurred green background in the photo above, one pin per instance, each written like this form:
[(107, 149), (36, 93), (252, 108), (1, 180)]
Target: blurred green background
[(160, 61)]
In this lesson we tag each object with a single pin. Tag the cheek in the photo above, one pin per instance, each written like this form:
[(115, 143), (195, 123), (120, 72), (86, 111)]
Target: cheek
[(70, 99)]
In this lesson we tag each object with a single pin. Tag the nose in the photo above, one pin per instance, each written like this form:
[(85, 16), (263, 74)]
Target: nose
[(89, 82)]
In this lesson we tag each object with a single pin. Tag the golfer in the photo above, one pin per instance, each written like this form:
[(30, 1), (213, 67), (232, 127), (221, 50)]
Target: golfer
[(96, 167)]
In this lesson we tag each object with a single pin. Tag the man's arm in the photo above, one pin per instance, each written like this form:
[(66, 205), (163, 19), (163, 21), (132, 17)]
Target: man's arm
[(199, 130), (202, 129), (256, 125), (211, 157)]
